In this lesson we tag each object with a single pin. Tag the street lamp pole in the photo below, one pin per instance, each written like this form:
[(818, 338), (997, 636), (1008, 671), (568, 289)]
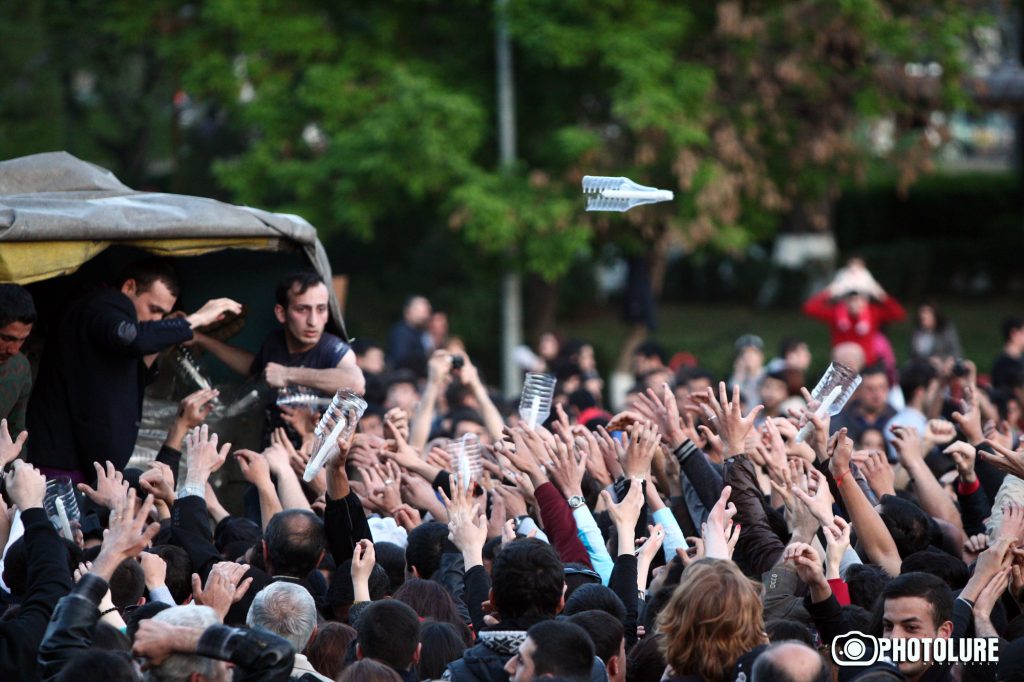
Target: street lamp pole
[(511, 284)]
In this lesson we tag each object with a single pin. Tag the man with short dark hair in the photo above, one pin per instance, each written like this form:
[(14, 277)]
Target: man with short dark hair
[(609, 638), (869, 408), (526, 587), (87, 403), (17, 315), (389, 632), (553, 648), (301, 352), (916, 606)]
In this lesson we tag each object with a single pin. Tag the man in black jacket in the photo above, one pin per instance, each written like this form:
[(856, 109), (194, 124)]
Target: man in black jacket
[(87, 403)]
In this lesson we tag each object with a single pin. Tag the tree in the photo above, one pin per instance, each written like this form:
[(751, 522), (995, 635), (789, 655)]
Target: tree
[(356, 114)]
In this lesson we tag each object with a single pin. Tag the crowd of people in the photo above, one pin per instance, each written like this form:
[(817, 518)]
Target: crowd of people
[(679, 530)]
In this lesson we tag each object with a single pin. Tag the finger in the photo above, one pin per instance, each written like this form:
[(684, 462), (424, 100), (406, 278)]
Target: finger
[(197, 585)]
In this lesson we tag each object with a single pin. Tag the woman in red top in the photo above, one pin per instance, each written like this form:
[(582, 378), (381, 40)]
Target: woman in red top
[(855, 307)]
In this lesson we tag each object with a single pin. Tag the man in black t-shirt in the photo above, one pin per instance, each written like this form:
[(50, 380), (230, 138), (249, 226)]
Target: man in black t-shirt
[(301, 352)]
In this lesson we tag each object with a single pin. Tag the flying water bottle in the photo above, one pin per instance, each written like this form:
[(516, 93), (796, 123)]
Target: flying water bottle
[(466, 458), (619, 194), (835, 388), (535, 403), (339, 421)]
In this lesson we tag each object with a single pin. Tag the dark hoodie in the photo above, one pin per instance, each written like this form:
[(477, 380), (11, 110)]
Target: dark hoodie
[(486, 661)]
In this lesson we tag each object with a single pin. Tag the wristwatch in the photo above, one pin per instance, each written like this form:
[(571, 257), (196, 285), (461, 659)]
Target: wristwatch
[(576, 501)]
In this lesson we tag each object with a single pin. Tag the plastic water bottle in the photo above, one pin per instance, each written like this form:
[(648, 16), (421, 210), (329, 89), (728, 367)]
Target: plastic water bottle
[(339, 421), (466, 458), (301, 397), (835, 388), (61, 505), (535, 403)]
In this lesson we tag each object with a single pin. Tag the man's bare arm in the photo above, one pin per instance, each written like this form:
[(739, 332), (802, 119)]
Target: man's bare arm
[(346, 375), (237, 359)]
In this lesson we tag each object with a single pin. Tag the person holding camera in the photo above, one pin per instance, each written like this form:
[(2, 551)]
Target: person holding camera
[(301, 352)]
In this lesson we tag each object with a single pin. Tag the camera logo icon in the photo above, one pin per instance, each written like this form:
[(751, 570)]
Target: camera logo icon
[(855, 649)]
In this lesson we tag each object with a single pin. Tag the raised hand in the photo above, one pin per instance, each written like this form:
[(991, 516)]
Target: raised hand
[(988, 598), (819, 501), (154, 569), (807, 564), (612, 451), (998, 432), (128, 534), (644, 439), (974, 546), (840, 453), (26, 486), (407, 517), (907, 442), (653, 542), (663, 411), (964, 456), (224, 587), (877, 471), (1011, 526), (1005, 459), (939, 432), (255, 468), (280, 452), (565, 471), (625, 515), (969, 418), (158, 481), (399, 421), (387, 492), (732, 425), (720, 534), (364, 558), (213, 311), (467, 524), (838, 536), (110, 485), (10, 449), (196, 407), (302, 419), (202, 456)]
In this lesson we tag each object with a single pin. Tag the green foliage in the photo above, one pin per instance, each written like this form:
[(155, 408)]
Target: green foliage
[(360, 114)]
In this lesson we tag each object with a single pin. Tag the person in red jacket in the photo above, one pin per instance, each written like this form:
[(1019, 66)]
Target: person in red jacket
[(855, 307)]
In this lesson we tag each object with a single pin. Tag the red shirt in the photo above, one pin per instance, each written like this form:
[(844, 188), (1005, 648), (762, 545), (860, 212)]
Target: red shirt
[(862, 329)]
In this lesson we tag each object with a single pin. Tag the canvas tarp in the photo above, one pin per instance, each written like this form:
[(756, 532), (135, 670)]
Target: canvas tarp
[(57, 212)]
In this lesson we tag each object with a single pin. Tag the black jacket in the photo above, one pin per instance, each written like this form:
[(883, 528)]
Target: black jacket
[(486, 661), (87, 401), (49, 580), (258, 655)]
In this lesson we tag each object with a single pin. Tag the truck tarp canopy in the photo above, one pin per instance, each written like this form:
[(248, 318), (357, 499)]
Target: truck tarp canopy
[(57, 212)]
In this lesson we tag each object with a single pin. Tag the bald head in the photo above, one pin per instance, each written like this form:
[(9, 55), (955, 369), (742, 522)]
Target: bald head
[(790, 662), (849, 354)]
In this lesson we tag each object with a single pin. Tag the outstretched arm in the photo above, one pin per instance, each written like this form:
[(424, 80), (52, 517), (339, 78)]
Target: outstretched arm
[(238, 359)]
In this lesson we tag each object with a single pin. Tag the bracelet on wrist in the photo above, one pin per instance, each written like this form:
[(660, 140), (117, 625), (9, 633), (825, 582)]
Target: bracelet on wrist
[(106, 611)]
